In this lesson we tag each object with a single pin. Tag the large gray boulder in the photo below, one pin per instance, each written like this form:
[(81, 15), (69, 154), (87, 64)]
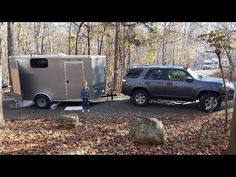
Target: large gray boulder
[(69, 121), (150, 131)]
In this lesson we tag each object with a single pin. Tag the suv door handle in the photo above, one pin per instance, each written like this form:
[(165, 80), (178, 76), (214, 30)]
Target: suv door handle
[(169, 83), (147, 82)]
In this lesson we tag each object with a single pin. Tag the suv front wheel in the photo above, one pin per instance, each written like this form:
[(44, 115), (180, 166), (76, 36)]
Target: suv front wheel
[(140, 98), (210, 102)]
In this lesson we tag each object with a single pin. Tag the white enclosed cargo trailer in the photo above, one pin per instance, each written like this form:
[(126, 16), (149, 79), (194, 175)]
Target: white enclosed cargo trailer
[(43, 79)]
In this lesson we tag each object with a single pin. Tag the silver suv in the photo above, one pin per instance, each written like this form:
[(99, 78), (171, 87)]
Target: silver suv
[(143, 83)]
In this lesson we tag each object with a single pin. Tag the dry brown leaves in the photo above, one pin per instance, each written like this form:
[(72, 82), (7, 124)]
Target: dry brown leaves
[(110, 136)]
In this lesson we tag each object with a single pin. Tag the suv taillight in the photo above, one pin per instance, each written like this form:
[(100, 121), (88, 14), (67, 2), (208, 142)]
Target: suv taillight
[(123, 81)]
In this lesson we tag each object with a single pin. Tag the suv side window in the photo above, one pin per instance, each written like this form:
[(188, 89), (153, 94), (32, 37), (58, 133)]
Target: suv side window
[(177, 75), (156, 74), (134, 73)]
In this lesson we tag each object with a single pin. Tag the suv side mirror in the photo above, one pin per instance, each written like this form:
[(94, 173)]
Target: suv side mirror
[(189, 79)]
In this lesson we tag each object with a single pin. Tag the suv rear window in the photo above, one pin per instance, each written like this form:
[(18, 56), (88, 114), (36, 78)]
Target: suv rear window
[(134, 73), (156, 74)]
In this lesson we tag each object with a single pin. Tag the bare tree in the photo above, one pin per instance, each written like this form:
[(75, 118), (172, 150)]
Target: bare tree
[(163, 43), (10, 46), (88, 36), (220, 41), (218, 52), (231, 150), (69, 39), (2, 121), (117, 33), (37, 27), (18, 38), (49, 41), (77, 36), (43, 37), (100, 41)]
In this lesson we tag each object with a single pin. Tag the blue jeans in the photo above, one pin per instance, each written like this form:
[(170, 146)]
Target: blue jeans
[(85, 104)]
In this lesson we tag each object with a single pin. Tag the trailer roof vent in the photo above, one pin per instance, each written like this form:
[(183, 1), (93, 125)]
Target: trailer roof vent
[(38, 62)]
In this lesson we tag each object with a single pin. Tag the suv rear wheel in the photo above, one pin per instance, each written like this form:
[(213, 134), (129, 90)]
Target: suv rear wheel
[(209, 102), (140, 98)]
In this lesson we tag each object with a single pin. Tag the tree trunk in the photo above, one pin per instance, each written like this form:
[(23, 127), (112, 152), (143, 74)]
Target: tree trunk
[(101, 41), (100, 47), (123, 58), (88, 38), (36, 34), (163, 51), (50, 43), (129, 45), (18, 39), (116, 55), (85, 49), (77, 37), (42, 41), (231, 64), (10, 47), (173, 59), (183, 45), (128, 62), (108, 64), (163, 44), (226, 96), (98, 42), (231, 150), (120, 58), (69, 39), (2, 121)]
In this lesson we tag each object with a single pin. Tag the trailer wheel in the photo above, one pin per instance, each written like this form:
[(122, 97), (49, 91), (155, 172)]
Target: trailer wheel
[(42, 101)]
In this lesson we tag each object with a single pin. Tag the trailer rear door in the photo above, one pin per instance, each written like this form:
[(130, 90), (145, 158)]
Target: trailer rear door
[(14, 67)]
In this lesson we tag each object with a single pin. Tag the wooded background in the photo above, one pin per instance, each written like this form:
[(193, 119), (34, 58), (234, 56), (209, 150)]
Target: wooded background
[(125, 44)]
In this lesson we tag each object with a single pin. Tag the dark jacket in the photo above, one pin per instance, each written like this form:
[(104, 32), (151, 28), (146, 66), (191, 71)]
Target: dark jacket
[(84, 93)]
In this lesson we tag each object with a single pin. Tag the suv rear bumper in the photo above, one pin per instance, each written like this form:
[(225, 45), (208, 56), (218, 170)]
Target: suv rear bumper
[(231, 94), (125, 90)]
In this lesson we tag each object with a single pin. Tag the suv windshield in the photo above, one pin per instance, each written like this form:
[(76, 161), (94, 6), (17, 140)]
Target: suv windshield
[(195, 75)]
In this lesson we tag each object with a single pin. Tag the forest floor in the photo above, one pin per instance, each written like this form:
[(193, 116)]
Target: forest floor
[(105, 130)]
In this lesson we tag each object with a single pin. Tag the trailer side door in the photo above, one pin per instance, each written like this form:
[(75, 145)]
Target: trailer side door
[(74, 75)]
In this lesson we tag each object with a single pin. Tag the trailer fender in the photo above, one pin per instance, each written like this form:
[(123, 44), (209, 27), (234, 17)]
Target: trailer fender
[(41, 93)]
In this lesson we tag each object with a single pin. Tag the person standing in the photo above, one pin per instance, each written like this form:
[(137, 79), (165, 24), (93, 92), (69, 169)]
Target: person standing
[(85, 96)]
